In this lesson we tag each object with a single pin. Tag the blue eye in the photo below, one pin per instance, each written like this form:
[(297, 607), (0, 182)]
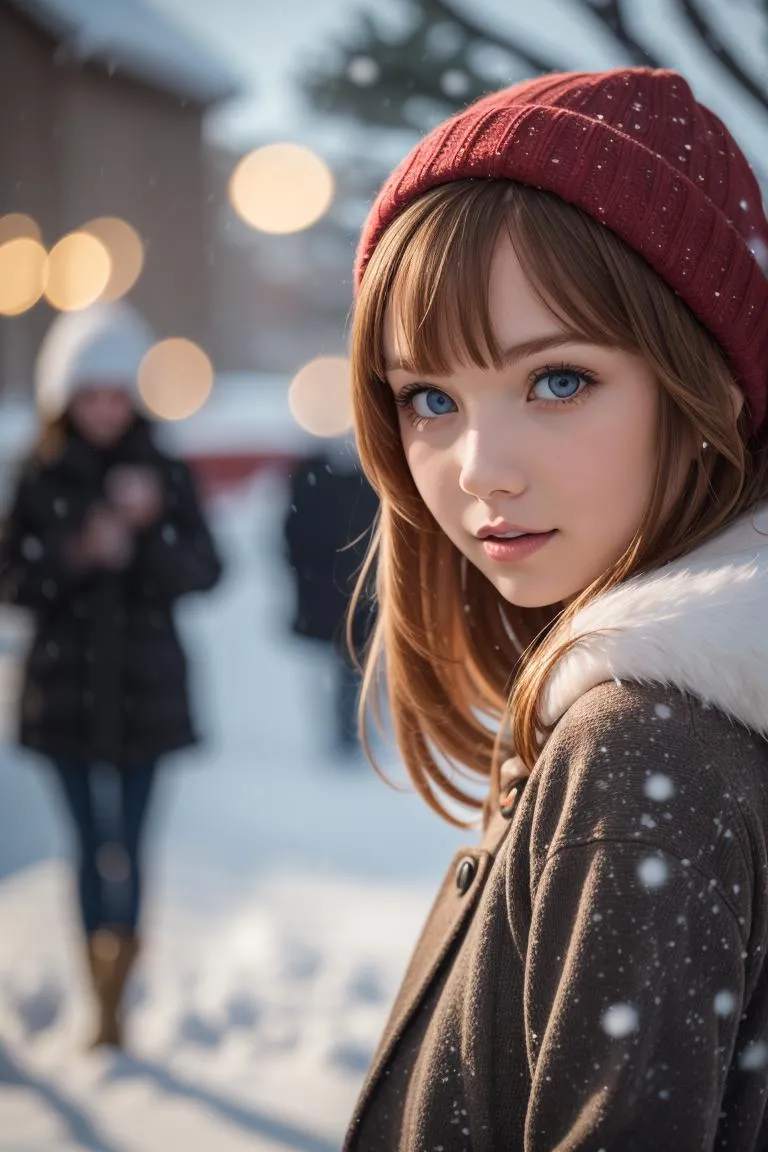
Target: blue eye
[(431, 402), (562, 383)]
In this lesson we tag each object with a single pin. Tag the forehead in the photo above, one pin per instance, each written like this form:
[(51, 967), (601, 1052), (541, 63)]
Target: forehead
[(508, 305), (101, 394)]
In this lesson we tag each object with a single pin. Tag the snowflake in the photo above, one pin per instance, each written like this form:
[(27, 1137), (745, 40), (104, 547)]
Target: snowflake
[(725, 1003), (659, 787), (363, 71), (754, 1057), (653, 872), (620, 1020)]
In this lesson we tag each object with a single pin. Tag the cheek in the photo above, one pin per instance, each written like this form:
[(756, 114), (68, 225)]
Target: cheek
[(614, 470), (432, 474), (417, 455), (84, 422)]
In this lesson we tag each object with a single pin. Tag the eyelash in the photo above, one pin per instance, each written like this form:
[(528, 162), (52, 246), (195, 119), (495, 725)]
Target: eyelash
[(404, 399), (406, 395)]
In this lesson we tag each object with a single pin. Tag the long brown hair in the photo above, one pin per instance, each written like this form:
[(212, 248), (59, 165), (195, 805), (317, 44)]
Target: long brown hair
[(464, 668)]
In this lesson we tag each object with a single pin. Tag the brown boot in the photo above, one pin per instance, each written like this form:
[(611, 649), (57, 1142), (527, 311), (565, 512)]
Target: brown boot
[(111, 956)]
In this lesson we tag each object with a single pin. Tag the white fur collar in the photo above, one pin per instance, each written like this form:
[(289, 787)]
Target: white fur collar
[(699, 624)]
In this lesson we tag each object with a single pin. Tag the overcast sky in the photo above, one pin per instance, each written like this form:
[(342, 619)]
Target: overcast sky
[(264, 42)]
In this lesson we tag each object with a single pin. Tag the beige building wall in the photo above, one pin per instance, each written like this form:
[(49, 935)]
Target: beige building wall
[(76, 143)]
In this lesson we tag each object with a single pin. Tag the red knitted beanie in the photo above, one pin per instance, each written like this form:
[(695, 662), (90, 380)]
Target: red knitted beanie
[(637, 152)]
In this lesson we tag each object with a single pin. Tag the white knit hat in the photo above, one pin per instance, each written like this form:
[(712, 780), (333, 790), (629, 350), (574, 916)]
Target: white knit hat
[(101, 345)]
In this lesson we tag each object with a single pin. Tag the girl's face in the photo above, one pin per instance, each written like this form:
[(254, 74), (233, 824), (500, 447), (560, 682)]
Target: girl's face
[(102, 414), (558, 444)]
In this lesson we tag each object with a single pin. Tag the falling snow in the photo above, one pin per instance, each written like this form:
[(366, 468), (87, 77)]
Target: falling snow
[(454, 82), (363, 71), (620, 1020), (31, 548), (658, 786), (653, 872), (754, 1057), (725, 1003)]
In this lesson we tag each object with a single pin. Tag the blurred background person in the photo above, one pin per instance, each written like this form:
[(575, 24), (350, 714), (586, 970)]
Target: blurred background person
[(327, 529), (105, 532)]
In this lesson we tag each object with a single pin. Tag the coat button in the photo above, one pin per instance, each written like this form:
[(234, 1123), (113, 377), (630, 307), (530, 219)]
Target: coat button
[(465, 874), (508, 804)]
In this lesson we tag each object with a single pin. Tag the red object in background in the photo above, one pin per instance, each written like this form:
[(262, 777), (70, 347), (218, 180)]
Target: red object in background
[(244, 429), (220, 471)]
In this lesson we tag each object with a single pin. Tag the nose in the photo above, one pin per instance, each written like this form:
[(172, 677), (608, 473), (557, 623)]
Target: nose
[(490, 464)]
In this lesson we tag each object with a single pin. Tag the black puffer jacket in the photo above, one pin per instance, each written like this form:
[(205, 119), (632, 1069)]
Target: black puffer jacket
[(327, 529), (106, 676)]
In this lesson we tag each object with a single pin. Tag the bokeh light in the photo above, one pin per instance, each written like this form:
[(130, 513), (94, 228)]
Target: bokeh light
[(17, 226), (455, 83), (319, 396), (363, 71), (175, 378), (281, 188), (126, 252), (77, 272), (22, 273)]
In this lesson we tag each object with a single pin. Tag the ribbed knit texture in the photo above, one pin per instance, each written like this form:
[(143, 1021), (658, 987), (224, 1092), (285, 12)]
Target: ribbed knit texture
[(636, 151)]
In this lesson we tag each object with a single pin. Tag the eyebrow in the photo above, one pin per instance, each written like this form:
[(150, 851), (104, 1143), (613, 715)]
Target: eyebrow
[(514, 353)]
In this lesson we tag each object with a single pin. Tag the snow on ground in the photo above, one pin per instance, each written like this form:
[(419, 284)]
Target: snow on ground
[(286, 892)]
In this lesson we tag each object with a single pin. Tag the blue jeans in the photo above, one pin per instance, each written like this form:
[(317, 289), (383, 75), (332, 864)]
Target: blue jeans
[(108, 810)]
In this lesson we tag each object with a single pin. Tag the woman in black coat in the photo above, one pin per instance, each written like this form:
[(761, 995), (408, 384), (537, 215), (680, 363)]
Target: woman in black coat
[(326, 531), (104, 534)]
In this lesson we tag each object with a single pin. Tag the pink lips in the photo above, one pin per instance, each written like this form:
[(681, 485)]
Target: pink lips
[(500, 527), (505, 551)]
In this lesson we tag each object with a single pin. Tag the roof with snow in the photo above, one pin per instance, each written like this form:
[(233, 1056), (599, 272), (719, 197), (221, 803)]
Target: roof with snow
[(134, 38)]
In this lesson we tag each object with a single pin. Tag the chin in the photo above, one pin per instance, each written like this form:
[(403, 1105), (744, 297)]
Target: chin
[(533, 593)]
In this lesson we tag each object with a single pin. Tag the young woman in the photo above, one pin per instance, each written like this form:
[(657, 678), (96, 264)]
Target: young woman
[(560, 378), (104, 534)]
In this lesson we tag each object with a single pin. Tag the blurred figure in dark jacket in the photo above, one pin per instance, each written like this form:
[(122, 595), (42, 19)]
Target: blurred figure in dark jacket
[(331, 511), (104, 534)]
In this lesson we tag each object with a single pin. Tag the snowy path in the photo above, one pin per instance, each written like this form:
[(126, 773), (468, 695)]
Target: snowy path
[(286, 894)]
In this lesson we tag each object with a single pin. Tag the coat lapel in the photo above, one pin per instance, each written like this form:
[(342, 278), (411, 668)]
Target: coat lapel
[(672, 626), (452, 907)]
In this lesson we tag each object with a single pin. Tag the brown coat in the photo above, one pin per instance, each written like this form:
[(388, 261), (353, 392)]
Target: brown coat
[(593, 975)]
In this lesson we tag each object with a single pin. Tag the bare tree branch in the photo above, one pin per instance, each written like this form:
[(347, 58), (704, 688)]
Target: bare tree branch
[(476, 32), (707, 37), (406, 68), (401, 81), (612, 16)]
